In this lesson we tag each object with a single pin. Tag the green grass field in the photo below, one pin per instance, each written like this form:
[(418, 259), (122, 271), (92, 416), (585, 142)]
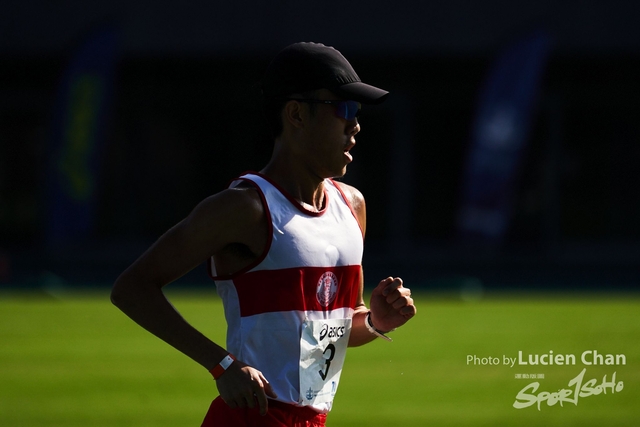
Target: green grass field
[(75, 360)]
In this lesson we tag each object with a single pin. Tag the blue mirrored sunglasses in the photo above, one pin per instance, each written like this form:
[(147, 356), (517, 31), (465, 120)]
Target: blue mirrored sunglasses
[(348, 110)]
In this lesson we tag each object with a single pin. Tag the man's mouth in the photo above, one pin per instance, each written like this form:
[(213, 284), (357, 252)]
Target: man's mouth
[(348, 148)]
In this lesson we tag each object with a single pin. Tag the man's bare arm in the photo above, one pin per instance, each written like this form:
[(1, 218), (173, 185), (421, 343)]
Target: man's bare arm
[(391, 303), (230, 217)]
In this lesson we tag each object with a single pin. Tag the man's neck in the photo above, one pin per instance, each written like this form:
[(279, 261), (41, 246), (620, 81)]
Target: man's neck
[(301, 184)]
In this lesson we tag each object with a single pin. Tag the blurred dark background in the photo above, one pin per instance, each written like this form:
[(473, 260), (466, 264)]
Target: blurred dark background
[(182, 116)]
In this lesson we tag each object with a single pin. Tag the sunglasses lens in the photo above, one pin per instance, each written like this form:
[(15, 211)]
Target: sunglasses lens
[(348, 110)]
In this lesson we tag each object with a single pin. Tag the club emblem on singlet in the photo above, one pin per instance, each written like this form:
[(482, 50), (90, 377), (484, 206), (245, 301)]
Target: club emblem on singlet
[(327, 288), (310, 394)]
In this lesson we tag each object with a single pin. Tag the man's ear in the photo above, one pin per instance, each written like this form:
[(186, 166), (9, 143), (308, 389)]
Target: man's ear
[(292, 113)]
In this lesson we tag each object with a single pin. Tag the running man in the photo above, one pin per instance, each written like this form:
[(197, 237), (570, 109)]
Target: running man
[(284, 246)]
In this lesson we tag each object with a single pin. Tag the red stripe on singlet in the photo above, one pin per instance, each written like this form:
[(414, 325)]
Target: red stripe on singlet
[(267, 291)]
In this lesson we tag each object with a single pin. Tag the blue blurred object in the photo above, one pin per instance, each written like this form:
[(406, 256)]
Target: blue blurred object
[(499, 136), (78, 138)]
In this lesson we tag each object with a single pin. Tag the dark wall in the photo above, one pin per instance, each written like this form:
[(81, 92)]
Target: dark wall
[(181, 128), (186, 118)]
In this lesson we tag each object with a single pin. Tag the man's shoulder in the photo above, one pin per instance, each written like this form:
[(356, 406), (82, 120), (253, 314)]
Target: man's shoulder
[(353, 195), (240, 204)]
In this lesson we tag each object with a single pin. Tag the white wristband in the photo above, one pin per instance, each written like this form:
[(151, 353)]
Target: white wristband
[(221, 367), (226, 362), (373, 330)]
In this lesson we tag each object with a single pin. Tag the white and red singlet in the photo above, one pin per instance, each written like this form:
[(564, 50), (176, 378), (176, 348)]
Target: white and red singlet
[(289, 313)]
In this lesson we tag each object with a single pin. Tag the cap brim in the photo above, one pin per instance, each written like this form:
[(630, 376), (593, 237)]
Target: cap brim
[(362, 92)]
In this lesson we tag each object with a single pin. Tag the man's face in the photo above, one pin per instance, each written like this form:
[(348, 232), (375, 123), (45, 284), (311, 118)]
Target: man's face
[(328, 138)]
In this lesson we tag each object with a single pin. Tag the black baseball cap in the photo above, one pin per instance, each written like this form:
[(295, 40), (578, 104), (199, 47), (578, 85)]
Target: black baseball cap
[(302, 67)]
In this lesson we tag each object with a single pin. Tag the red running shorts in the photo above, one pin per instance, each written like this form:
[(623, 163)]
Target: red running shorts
[(279, 415)]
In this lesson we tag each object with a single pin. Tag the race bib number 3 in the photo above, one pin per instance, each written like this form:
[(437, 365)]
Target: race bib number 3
[(323, 347)]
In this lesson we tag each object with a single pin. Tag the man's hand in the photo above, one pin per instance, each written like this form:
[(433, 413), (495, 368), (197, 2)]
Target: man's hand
[(391, 304), (242, 386)]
